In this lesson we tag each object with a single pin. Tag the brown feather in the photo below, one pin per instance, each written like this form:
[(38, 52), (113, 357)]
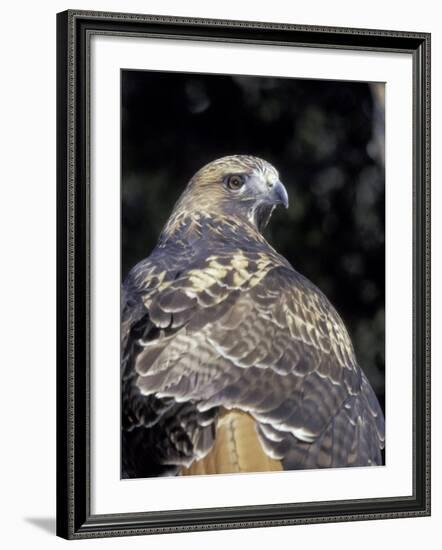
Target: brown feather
[(237, 449)]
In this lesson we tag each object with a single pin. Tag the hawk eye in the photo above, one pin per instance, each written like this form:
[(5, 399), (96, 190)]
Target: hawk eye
[(235, 182)]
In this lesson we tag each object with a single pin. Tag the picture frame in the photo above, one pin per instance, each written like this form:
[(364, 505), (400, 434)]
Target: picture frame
[(75, 217)]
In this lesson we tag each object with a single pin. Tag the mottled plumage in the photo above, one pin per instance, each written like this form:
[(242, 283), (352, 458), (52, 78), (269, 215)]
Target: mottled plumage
[(220, 335)]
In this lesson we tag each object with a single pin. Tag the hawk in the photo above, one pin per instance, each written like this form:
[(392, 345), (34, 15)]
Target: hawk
[(232, 361)]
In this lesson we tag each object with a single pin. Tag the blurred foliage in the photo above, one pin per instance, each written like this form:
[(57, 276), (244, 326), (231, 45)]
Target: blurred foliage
[(326, 138)]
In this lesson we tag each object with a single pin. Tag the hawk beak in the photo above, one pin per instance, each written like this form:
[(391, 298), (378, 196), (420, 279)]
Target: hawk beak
[(278, 194)]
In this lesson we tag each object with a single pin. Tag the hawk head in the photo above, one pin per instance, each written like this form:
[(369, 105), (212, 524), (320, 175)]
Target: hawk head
[(241, 186)]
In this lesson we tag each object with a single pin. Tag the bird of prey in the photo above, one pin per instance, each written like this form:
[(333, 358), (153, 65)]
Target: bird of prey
[(232, 361)]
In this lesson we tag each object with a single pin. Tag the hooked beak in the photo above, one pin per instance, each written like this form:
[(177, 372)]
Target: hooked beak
[(278, 194)]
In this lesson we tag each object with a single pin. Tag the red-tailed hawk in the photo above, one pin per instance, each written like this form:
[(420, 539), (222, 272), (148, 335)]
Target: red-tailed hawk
[(231, 360)]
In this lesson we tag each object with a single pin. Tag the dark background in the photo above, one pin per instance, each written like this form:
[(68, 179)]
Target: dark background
[(326, 139)]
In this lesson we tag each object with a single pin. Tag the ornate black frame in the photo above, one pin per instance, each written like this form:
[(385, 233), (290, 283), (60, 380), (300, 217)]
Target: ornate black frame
[(74, 29)]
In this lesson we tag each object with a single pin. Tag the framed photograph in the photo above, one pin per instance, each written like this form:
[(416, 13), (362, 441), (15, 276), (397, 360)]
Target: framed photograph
[(243, 274)]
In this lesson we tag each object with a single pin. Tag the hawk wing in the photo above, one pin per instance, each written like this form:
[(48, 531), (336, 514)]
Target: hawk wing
[(245, 331), (159, 435)]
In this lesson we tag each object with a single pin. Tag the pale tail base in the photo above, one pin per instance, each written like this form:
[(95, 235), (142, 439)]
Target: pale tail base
[(237, 449)]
